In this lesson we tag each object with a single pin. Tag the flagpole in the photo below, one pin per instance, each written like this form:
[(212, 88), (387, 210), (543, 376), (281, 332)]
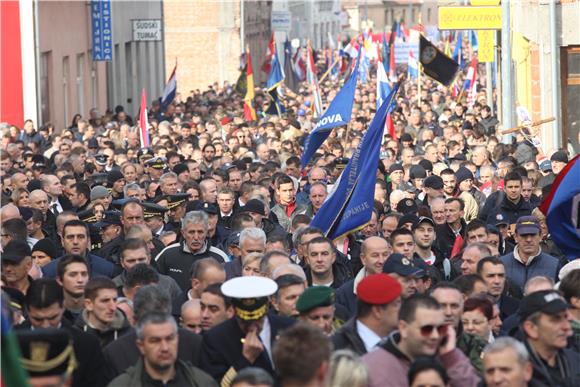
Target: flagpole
[(419, 83), (329, 70)]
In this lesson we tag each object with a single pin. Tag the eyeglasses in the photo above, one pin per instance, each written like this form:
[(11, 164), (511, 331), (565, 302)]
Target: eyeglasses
[(427, 330)]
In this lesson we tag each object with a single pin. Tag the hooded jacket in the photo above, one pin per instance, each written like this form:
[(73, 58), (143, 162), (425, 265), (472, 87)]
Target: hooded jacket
[(118, 327)]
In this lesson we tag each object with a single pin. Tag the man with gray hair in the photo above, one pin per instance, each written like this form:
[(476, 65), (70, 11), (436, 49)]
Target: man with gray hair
[(168, 183), (252, 240), (176, 259), (124, 353), (506, 362), (157, 340)]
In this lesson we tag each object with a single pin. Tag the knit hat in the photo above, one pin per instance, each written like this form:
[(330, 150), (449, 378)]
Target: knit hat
[(46, 246), (463, 174)]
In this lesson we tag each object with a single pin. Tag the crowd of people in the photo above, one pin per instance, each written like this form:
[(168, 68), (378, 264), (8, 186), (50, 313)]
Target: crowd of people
[(193, 262)]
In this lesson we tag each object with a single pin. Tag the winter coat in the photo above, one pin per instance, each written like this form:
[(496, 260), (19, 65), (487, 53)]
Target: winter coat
[(388, 366), (135, 376)]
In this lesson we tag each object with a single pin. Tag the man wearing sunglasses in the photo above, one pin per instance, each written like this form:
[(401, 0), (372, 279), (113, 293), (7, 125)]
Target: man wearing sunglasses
[(422, 331)]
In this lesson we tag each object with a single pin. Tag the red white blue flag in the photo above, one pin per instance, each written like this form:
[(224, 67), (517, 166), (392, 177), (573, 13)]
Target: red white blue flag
[(170, 90), (562, 209), (144, 122)]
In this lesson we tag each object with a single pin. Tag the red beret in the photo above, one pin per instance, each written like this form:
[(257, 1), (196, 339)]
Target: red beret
[(378, 289)]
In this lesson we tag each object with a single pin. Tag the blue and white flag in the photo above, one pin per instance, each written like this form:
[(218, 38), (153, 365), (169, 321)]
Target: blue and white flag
[(276, 74), (337, 114), (383, 85), (350, 204), (457, 55), (169, 91)]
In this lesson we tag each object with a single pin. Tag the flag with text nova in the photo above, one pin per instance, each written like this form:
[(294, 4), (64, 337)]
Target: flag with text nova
[(350, 204), (562, 209), (337, 114)]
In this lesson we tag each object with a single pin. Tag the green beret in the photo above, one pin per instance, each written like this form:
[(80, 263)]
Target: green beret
[(314, 297)]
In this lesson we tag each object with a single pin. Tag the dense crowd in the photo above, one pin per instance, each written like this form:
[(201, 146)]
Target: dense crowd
[(193, 262)]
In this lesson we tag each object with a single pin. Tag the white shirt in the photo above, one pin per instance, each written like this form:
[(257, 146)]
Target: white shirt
[(369, 338), (266, 338)]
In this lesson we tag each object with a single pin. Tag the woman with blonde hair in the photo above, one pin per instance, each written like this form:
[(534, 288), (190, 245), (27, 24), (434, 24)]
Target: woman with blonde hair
[(347, 370), (251, 265)]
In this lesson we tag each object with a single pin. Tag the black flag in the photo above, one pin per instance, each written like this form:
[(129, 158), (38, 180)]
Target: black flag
[(436, 64)]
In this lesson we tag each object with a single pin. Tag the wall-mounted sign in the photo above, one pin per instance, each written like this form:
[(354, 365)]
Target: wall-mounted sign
[(469, 18), (147, 30), (102, 31)]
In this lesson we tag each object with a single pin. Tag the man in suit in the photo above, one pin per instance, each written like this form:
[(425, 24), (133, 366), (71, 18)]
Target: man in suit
[(248, 338)]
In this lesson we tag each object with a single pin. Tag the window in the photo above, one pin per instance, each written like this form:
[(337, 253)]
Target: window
[(81, 84), (66, 88), (44, 87)]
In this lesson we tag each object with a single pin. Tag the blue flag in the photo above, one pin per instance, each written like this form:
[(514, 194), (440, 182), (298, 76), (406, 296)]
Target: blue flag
[(337, 114), (349, 206), (562, 210), (386, 54), (275, 78), (457, 55), (276, 75)]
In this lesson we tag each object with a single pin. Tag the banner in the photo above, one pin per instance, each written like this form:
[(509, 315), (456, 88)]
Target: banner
[(349, 206), (337, 114), (102, 30)]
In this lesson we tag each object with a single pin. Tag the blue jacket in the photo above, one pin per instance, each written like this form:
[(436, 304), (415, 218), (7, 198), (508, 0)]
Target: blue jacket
[(519, 273), (97, 266)]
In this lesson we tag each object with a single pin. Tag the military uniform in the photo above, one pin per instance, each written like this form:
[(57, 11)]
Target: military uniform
[(222, 348)]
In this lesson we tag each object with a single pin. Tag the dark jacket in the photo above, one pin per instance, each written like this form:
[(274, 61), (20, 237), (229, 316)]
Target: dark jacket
[(91, 367), (567, 373), (119, 327), (97, 266), (165, 282), (543, 264), (345, 296), (510, 210), (123, 352), (111, 249), (184, 373), (340, 272), (347, 337), (507, 306), (222, 347), (446, 237), (176, 260), (233, 268)]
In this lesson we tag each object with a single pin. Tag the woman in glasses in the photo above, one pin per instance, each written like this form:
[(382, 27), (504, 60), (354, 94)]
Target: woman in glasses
[(477, 317)]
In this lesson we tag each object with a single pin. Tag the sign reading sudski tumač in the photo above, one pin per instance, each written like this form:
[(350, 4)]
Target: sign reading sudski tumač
[(147, 30)]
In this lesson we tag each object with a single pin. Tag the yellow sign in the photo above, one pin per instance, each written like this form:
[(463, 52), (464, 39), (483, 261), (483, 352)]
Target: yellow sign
[(485, 41), (469, 18)]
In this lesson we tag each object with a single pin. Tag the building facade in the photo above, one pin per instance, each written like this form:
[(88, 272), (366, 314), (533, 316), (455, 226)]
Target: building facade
[(532, 59), (137, 64), (208, 37)]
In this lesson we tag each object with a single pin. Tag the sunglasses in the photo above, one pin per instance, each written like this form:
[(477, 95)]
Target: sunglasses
[(427, 330)]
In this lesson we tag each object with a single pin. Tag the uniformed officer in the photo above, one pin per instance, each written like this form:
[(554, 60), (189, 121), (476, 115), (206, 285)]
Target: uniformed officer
[(154, 215), (48, 356), (247, 339)]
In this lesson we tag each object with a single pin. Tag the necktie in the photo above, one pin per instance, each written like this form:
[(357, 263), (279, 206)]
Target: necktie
[(55, 209)]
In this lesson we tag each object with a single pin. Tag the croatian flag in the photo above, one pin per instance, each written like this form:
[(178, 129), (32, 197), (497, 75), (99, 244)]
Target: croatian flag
[(144, 122), (413, 66), (562, 209), (170, 89), (470, 83)]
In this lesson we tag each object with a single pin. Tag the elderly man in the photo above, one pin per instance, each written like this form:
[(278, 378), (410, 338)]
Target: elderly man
[(176, 259), (374, 254), (506, 362), (527, 260)]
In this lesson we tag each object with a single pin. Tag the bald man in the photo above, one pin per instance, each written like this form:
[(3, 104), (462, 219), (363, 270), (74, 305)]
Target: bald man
[(9, 211), (373, 255)]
